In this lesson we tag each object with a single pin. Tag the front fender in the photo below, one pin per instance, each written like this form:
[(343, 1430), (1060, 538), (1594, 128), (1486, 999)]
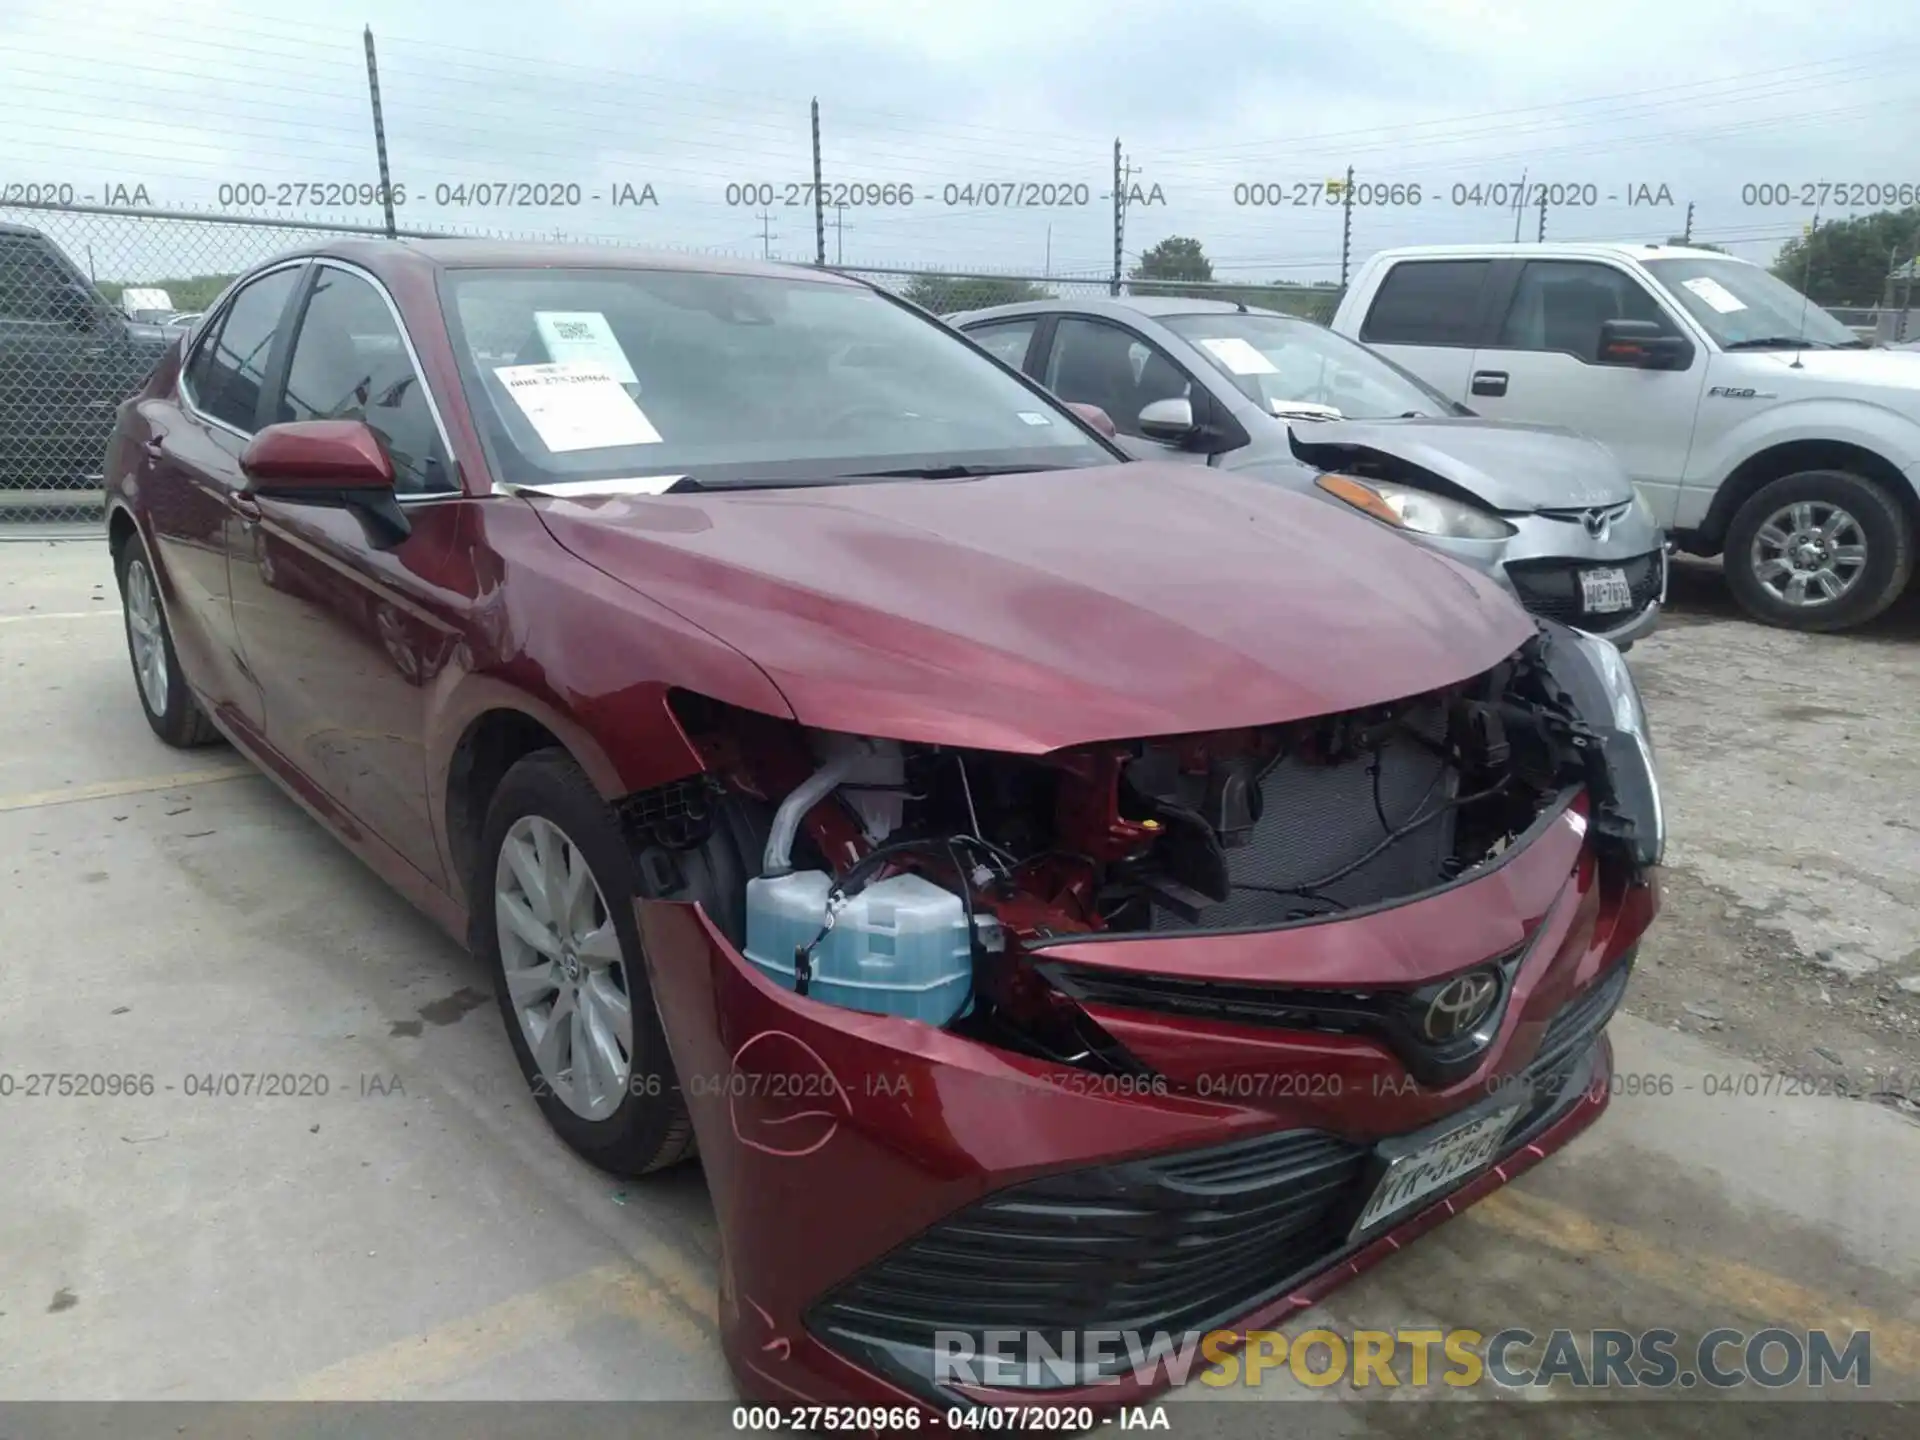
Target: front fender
[(1870, 425)]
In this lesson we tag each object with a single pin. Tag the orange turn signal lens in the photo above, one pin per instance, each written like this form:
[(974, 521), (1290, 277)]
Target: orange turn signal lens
[(1361, 496)]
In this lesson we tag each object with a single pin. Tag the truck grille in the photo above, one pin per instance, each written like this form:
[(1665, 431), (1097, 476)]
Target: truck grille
[(1551, 588)]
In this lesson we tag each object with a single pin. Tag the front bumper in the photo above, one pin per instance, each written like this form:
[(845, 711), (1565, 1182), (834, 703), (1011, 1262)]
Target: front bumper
[(875, 1178)]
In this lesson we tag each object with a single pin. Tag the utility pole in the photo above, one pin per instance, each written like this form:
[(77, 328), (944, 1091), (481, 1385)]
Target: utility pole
[(1046, 267), (819, 194), (766, 234), (1540, 239), (1687, 234), (379, 132), (1119, 216), (1346, 228), (1906, 290), (1519, 206)]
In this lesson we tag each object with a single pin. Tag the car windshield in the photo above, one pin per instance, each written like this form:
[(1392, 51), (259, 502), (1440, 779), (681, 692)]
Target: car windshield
[(1741, 305), (596, 374), (1295, 367)]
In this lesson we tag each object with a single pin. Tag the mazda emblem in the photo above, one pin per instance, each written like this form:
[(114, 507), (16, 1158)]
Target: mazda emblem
[(1598, 522), (1462, 1004)]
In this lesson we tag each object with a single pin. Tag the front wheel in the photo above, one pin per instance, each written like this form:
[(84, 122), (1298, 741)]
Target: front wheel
[(1819, 550), (552, 899)]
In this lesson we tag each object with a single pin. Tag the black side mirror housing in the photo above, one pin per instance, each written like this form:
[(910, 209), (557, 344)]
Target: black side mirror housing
[(1643, 345)]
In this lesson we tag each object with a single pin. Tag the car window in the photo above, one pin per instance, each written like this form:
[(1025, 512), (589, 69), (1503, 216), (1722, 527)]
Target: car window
[(1091, 363), (1428, 302), (728, 378), (1559, 306), (30, 281), (350, 363), (1283, 364), (1741, 304), (227, 371), (1006, 340)]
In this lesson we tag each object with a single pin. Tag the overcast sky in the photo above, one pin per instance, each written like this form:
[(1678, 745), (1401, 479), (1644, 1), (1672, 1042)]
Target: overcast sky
[(1702, 98)]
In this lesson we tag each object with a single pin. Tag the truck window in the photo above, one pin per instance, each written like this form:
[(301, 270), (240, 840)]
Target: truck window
[(1428, 302), (1559, 306), (30, 279)]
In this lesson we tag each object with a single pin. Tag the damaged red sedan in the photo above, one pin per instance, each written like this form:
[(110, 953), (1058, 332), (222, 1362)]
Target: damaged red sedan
[(1074, 906)]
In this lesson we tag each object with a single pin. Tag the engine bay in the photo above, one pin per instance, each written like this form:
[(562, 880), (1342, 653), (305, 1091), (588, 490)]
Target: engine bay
[(914, 879)]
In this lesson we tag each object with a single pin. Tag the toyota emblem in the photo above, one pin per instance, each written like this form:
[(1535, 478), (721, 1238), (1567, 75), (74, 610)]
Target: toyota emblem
[(1462, 1004)]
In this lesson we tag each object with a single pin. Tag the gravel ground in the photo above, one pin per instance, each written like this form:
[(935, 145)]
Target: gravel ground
[(1791, 933)]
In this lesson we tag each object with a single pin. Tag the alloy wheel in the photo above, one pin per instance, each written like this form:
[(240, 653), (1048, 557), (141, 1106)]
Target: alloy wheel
[(1809, 553), (146, 629), (565, 976)]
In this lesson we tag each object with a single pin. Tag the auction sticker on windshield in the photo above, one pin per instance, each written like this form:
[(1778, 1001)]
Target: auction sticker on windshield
[(584, 337), (577, 406), (1715, 294), (1239, 356)]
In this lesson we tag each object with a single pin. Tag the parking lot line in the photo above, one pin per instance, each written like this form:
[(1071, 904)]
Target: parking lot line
[(665, 1295), (108, 789), (1728, 1282)]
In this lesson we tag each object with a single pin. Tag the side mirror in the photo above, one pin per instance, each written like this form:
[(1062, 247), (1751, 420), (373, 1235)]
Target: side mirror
[(1170, 420), (328, 462), (1094, 416), (1642, 345)]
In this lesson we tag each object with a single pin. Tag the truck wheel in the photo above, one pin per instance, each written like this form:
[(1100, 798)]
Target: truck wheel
[(1819, 550), (552, 900), (172, 712)]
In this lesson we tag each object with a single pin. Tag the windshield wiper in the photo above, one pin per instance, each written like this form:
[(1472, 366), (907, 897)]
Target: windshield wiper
[(1777, 342), (944, 472)]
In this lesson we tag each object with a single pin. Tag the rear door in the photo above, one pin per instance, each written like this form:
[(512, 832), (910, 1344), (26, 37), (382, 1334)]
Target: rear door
[(1428, 315), (1542, 364), (189, 474)]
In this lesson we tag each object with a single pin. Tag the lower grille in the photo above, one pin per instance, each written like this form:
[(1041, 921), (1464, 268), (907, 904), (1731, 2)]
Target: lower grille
[(1570, 1036), (1177, 1243), (1551, 588)]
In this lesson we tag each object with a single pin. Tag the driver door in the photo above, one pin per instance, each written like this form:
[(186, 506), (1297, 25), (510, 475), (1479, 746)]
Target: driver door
[(1092, 362)]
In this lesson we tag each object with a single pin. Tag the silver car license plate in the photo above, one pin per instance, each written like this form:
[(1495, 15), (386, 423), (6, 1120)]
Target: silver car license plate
[(1437, 1165), (1604, 591)]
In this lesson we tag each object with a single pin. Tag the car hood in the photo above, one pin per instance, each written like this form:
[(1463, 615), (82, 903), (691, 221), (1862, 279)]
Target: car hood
[(1507, 466), (1897, 369), (1027, 612)]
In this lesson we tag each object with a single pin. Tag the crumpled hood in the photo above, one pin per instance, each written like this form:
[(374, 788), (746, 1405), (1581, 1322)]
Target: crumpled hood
[(1509, 466), (1027, 612)]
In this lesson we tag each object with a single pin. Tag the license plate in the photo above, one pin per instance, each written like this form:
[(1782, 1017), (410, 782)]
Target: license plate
[(1437, 1165), (1603, 591)]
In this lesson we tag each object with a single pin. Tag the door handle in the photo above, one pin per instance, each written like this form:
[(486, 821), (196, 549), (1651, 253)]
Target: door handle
[(1489, 382), (155, 451), (247, 508)]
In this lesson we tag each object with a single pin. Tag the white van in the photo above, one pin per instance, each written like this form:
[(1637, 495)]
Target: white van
[(1756, 425)]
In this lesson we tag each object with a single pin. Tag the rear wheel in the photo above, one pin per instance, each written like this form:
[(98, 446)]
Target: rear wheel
[(171, 711), (553, 915), (1819, 550)]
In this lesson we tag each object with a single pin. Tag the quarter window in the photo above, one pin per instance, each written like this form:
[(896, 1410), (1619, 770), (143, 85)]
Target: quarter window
[(1006, 340)]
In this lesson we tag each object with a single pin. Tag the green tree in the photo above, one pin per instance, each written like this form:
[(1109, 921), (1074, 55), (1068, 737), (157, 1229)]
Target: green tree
[(1846, 262), (1178, 257), (944, 294)]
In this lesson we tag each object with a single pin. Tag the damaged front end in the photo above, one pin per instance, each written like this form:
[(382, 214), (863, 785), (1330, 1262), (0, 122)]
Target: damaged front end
[(1127, 1037)]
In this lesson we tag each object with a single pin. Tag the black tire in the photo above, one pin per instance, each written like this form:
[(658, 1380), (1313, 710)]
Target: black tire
[(182, 723), (1887, 532), (649, 1129)]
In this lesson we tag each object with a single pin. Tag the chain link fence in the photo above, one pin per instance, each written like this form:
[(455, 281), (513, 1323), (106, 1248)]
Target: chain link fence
[(92, 298)]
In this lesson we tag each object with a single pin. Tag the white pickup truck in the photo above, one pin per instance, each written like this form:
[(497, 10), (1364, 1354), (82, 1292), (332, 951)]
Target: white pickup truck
[(1756, 425)]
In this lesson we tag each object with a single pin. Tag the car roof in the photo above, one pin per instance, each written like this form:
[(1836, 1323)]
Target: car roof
[(457, 253), (1548, 250), (1117, 307)]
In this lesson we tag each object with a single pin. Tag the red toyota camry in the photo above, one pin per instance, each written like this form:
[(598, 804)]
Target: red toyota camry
[(1074, 905)]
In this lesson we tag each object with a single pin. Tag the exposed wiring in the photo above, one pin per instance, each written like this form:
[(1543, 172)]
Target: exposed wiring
[(973, 816)]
